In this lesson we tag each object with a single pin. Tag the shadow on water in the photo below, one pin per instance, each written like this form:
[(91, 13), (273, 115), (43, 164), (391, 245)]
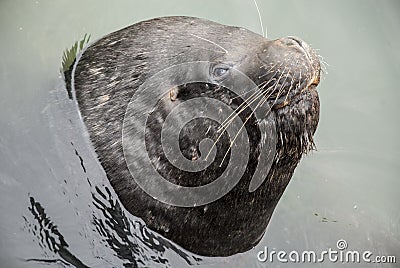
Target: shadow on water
[(132, 235), (130, 240), (49, 237)]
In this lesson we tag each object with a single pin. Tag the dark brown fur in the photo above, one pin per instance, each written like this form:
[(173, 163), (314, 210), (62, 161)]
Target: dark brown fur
[(110, 70)]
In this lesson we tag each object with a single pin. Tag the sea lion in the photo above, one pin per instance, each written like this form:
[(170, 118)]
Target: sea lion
[(110, 71)]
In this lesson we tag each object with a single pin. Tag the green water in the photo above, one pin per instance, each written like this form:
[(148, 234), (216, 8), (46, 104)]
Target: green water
[(348, 189)]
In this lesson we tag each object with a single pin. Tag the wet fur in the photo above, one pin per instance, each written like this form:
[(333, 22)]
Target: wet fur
[(105, 78)]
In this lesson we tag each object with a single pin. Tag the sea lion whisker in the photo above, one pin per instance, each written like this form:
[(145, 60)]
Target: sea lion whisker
[(246, 104), (324, 65), (226, 124), (278, 94), (265, 99), (259, 16), (299, 83), (269, 95), (270, 91), (269, 106), (288, 89), (243, 103), (260, 103), (269, 70), (287, 95), (206, 49), (279, 79), (205, 39), (240, 129), (272, 78), (251, 90)]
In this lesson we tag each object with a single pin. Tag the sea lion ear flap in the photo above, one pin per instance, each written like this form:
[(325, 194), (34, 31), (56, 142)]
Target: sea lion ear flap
[(173, 93)]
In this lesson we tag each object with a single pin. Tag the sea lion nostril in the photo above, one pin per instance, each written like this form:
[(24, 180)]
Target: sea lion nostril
[(291, 41), (296, 40)]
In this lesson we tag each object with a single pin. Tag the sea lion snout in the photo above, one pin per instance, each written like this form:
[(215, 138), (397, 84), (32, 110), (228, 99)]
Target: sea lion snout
[(310, 54)]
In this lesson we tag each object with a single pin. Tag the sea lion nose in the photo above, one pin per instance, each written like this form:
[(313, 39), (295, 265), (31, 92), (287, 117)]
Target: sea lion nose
[(298, 44), (303, 47)]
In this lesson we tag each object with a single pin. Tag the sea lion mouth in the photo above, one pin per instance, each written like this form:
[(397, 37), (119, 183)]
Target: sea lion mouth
[(292, 68), (284, 101)]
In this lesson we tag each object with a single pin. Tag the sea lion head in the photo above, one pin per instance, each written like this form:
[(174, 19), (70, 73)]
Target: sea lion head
[(286, 70), (129, 85)]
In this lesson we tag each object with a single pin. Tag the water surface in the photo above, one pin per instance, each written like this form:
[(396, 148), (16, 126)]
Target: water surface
[(57, 207)]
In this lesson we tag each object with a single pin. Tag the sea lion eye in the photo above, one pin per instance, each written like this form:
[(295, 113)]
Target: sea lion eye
[(219, 71)]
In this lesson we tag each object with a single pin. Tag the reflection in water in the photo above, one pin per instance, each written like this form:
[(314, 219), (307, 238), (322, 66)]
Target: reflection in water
[(49, 237), (131, 241)]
